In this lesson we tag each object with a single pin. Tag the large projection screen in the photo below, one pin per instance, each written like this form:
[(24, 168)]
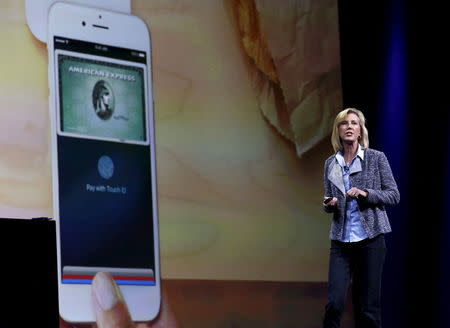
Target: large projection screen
[(245, 95)]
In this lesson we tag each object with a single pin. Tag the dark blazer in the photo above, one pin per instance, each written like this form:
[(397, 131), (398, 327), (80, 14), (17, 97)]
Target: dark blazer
[(374, 176)]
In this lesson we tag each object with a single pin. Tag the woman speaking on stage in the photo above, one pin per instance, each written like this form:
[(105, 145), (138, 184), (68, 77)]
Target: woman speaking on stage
[(358, 185)]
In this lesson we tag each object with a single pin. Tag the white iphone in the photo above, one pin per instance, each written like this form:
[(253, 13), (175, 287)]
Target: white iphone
[(103, 158)]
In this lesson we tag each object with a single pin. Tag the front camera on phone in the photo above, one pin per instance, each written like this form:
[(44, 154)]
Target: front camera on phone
[(83, 23)]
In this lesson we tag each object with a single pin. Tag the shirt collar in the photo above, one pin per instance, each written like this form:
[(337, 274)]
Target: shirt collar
[(360, 152), (340, 157)]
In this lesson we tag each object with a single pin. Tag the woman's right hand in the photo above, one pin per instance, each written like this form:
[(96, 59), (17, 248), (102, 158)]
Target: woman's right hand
[(331, 203)]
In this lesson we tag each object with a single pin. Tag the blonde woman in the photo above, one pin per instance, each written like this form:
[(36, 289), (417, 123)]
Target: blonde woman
[(358, 184)]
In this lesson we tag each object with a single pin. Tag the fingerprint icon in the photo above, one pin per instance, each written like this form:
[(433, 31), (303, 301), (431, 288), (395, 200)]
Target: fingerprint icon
[(105, 167)]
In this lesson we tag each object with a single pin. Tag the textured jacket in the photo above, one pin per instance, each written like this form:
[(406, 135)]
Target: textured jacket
[(374, 176)]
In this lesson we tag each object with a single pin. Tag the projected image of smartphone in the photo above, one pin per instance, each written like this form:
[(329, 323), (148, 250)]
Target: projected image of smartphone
[(103, 164)]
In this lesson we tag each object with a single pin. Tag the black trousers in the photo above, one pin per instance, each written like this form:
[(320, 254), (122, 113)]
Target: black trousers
[(362, 264)]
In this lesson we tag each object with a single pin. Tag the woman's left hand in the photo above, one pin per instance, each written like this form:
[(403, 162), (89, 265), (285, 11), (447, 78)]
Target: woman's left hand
[(356, 193)]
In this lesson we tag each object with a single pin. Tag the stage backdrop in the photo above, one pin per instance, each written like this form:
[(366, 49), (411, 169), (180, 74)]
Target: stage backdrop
[(245, 94)]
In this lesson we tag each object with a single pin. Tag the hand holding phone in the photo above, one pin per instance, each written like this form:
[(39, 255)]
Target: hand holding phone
[(104, 286), (112, 311)]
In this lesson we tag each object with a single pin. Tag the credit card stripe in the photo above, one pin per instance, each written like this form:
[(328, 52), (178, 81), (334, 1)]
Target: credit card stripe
[(90, 277)]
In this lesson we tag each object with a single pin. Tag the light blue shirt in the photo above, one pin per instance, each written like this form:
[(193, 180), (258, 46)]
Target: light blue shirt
[(353, 229)]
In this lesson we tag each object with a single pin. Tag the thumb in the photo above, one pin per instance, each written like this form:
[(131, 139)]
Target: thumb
[(110, 308)]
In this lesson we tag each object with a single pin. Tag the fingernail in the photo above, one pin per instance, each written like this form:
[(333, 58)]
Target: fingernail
[(105, 291)]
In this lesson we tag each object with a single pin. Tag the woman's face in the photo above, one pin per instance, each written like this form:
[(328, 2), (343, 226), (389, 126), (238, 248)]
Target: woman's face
[(350, 129)]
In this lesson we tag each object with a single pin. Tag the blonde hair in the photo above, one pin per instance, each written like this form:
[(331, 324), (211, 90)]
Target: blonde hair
[(336, 140)]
